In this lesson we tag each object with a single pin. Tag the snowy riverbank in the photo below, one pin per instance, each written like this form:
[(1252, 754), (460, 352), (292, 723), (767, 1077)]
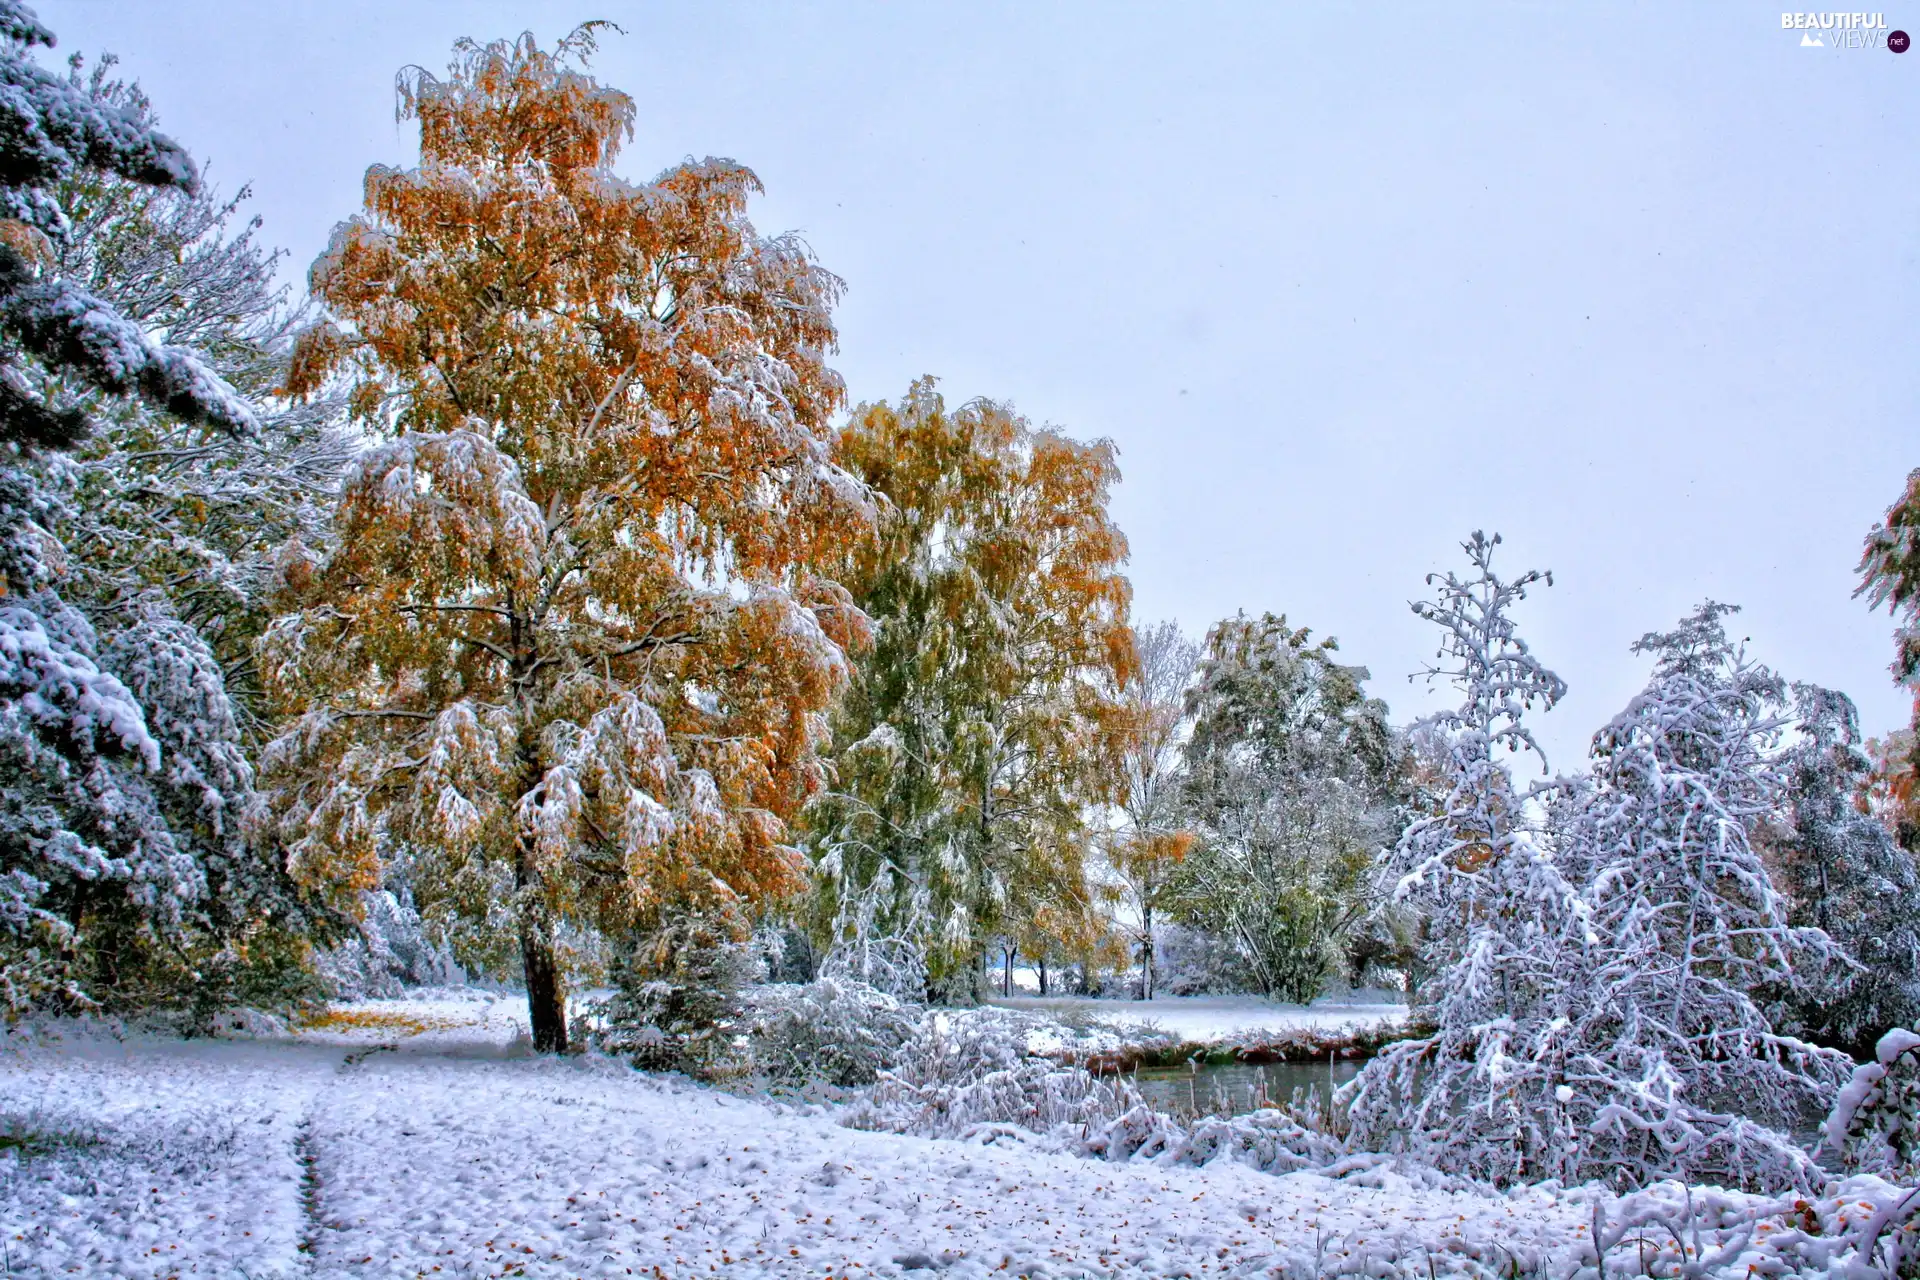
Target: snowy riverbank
[(1222, 1019), (419, 1138)]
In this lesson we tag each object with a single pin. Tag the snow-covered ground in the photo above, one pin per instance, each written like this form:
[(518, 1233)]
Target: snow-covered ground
[(421, 1138), (417, 1138), (1222, 1018)]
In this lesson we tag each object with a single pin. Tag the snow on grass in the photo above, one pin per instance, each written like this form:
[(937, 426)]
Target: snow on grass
[(419, 1138), (591, 1170), (1207, 1019), (457, 1020), (154, 1158), (442, 1150)]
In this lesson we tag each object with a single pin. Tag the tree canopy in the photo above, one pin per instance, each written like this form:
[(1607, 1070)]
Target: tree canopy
[(566, 655)]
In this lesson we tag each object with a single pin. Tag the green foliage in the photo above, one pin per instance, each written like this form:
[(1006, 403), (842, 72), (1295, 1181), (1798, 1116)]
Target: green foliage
[(828, 1032), (976, 734), (1291, 773), (1844, 874), (678, 1004)]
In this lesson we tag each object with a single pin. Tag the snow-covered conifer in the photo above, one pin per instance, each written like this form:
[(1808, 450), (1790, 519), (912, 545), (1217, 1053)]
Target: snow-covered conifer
[(1681, 1060), (1844, 874), (92, 830), (1440, 857), (1478, 1094), (1604, 1020)]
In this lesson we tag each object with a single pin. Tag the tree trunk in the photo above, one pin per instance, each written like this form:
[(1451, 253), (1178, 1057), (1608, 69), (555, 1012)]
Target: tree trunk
[(546, 999), (1146, 953), (1006, 972), (1042, 962), (546, 992), (546, 995)]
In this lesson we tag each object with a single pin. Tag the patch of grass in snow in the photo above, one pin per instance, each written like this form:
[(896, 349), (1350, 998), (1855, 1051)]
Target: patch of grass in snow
[(386, 1021), (28, 1143)]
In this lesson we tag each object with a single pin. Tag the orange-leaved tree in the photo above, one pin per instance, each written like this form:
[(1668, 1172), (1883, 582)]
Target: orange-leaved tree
[(564, 657), (1890, 574)]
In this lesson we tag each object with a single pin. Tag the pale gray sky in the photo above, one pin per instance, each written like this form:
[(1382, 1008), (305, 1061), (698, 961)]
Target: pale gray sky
[(1632, 285)]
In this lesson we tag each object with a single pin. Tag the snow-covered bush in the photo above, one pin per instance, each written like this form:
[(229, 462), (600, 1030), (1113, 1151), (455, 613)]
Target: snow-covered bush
[(1856, 1228), (1190, 962), (970, 1068), (1272, 1140), (1875, 1125), (831, 1031), (678, 1002), (389, 952), (894, 965), (785, 951), (974, 1074)]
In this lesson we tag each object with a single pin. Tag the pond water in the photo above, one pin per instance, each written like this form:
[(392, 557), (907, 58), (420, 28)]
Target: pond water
[(1239, 1087)]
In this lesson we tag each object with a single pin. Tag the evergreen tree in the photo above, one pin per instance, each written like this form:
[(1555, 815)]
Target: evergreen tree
[(161, 513), (980, 731), (1602, 1021), (114, 782), (1478, 1093), (1288, 780), (1844, 874), (564, 658), (171, 529), (1681, 1058)]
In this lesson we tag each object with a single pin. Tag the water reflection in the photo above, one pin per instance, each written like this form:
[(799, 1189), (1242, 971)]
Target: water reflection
[(1237, 1088)]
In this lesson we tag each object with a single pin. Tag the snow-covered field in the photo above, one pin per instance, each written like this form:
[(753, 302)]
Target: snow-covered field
[(453, 1153), (1220, 1018), (421, 1138)]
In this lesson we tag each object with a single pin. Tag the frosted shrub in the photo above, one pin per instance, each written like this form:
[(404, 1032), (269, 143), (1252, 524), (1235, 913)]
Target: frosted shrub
[(895, 966), (1860, 1228), (975, 1075), (388, 953), (831, 1031), (1875, 1124), (977, 1068), (1271, 1141), (1191, 963), (678, 1003)]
